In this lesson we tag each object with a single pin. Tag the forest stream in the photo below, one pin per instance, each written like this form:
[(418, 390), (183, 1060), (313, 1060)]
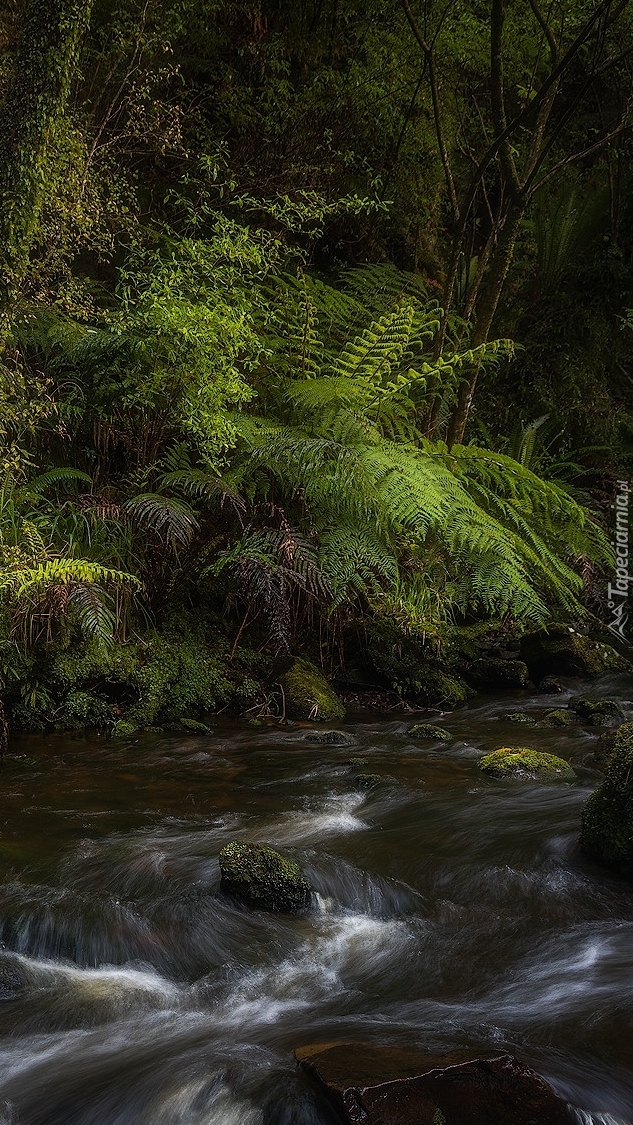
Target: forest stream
[(453, 912)]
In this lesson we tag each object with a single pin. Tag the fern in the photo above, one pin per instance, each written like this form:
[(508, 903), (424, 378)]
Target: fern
[(388, 506)]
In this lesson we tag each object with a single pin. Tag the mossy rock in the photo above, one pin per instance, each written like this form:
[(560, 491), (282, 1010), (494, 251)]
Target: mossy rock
[(368, 780), (194, 727), (259, 876), (124, 729), (428, 731), (558, 718), (562, 650), (599, 712), (330, 738), (548, 686), (407, 666), (308, 694), (521, 762), (519, 717), (495, 672), (618, 738), (607, 817), (357, 763)]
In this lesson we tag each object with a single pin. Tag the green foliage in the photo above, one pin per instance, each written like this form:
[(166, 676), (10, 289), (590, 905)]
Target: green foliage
[(393, 512)]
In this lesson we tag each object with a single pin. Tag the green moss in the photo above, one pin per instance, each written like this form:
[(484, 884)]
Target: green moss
[(409, 668), (599, 712), (519, 717), (149, 682), (559, 718), (563, 651), (195, 727), (607, 818), (520, 761), (494, 672), (308, 694), (123, 729), (428, 731), (620, 738), (262, 877)]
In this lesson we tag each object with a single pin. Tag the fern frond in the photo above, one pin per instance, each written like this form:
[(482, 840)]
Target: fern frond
[(172, 519)]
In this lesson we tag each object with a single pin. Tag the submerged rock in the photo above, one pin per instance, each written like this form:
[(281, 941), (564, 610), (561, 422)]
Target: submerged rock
[(495, 672), (262, 877), (519, 717), (389, 1086), (308, 694), (599, 712), (368, 780), (548, 685), (559, 718), (12, 983), (427, 730), (520, 761), (607, 818), (564, 651), (330, 738)]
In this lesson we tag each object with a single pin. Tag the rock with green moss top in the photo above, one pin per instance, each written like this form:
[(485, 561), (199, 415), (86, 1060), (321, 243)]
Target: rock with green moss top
[(261, 877), (559, 718), (563, 651), (330, 738), (368, 780), (308, 694), (194, 727), (519, 717), (124, 729), (521, 762), (599, 712), (618, 738), (607, 817), (428, 731), (495, 672), (408, 666)]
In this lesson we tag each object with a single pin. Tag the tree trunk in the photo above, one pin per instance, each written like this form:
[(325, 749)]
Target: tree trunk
[(43, 69)]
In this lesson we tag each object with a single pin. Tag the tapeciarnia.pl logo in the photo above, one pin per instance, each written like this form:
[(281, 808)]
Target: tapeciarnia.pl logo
[(618, 589)]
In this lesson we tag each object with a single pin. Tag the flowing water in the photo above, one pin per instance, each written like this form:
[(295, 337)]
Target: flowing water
[(453, 911)]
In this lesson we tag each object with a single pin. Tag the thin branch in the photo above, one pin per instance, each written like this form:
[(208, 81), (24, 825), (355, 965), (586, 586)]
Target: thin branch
[(435, 98)]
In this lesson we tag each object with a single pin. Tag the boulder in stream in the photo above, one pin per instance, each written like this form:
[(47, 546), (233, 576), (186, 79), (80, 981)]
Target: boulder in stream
[(607, 818), (308, 694), (368, 780), (261, 877), (391, 1086), (429, 732), (521, 718), (521, 762), (565, 652), (330, 738), (598, 712), (558, 718)]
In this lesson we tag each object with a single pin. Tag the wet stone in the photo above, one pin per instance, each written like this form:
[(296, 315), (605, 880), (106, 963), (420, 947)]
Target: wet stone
[(548, 686), (368, 780), (261, 877), (598, 712), (330, 738), (389, 1086), (522, 762), (428, 731), (519, 717), (559, 718), (495, 672)]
